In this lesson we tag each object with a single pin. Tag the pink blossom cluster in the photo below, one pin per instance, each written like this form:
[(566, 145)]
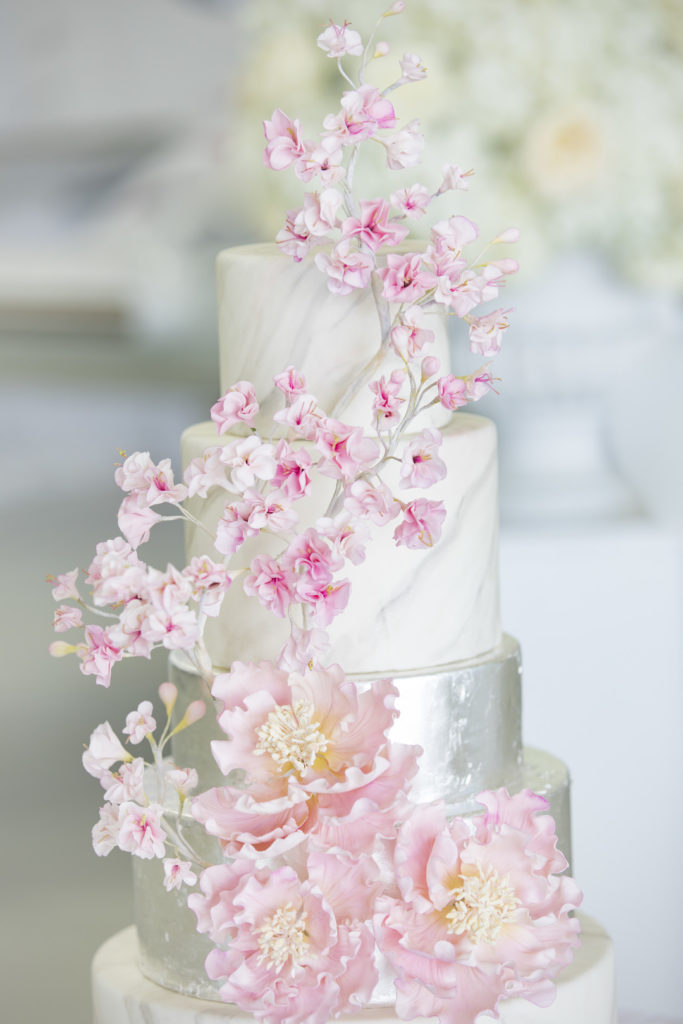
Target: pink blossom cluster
[(129, 820)]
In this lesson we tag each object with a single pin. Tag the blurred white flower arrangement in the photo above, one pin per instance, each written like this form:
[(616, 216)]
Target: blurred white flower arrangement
[(571, 107)]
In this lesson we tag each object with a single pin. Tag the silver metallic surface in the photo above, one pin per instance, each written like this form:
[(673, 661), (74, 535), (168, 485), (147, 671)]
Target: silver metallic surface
[(467, 717)]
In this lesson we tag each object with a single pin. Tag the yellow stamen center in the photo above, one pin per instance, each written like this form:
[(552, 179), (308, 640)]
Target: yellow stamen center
[(482, 903), (291, 737), (283, 937)]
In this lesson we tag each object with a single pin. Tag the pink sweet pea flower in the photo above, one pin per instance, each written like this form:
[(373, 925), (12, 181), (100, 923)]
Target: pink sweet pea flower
[(452, 392), (320, 211), (98, 655), (178, 873), (140, 830), (292, 475), (104, 750), (409, 336), (248, 460), (339, 40), (149, 482), (105, 833), (486, 332), (294, 238), (404, 149), (116, 573), (374, 227), (210, 581), (127, 633), (364, 112), (346, 452), (205, 472), (421, 524), (232, 530), (412, 68), (184, 780), (323, 159), (372, 501), (421, 466), (483, 916), (346, 268), (404, 279), (454, 178), (268, 512), (386, 403), (349, 537), (412, 201), (285, 144), (290, 383), (136, 520), (478, 384), (172, 624), (324, 600), (303, 650), (303, 416), (65, 586), (139, 723), (66, 617), (125, 784), (237, 405), (309, 555), (454, 234), (271, 584)]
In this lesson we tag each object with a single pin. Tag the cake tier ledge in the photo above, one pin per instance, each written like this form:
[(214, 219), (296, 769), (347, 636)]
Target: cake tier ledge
[(122, 995)]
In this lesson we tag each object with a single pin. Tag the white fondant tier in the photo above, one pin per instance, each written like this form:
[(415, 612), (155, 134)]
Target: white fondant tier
[(407, 608), (122, 995), (273, 313)]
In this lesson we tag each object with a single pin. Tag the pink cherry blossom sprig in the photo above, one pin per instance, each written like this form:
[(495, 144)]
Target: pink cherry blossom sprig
[(354, 237)]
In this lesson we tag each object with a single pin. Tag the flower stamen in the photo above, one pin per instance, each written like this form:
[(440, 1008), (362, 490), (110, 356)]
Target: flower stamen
[(291, 737), (482, 903), (282, 937)]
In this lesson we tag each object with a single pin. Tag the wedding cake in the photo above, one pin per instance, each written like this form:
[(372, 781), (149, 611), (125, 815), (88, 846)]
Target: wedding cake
[(340, 784)]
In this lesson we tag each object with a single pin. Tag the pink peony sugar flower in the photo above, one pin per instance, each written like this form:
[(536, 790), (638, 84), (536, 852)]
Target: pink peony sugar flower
[(315, 756), (285, 144), (421, 524), (373, 227), (271, 584), (483, 914), (346, 268), (139, 723), (364, 112), (140, 830), (340, 40), (293, 954), (486, 332), (421, 465), (98, 655), (237, 405), (345, 451), (67, 617), (412, 201), (404, 278), (178, 873)]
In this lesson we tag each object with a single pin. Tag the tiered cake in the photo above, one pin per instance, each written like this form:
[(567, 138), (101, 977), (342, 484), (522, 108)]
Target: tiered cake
[(429, 620)]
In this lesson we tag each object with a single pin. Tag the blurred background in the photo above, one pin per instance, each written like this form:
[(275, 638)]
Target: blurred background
[(130, 152)]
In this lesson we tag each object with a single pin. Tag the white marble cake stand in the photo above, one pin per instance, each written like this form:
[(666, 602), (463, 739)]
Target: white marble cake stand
[(122, 995)]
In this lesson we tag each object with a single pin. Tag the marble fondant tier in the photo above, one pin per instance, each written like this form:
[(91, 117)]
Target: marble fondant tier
[(466, 717), (274, 313), (122, 995), (172, 952), (407, 608)]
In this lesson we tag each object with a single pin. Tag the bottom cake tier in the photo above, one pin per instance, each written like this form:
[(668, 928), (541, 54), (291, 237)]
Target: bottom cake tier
[(122, 994)]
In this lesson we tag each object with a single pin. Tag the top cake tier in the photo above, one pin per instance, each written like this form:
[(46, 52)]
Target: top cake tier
[(274, 313)]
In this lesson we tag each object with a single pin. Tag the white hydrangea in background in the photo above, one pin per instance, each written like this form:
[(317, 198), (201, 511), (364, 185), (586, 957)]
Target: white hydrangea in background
[(570, 111)]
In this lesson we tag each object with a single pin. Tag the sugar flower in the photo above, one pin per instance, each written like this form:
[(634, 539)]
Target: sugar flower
[(486, 332), (387, 401), (412, 201), (271, 583), (65, 586), (139, 723), (178, 873), (346, 268), (421, 465), (247, 461), (404, 149), (127, 783), (483, 914), (293, 472), (285, 143), (372, 501), (412, 68), (364, 112), (140, 830), (136, 520), (344, 449), (452, 392), (104, 750), (339, 40), (405, 280), (67, 617), (237, 405), (290, 382), (409, 336), (421, 524), (455, 178), (373, 226), (98, 655), (105, 833)]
